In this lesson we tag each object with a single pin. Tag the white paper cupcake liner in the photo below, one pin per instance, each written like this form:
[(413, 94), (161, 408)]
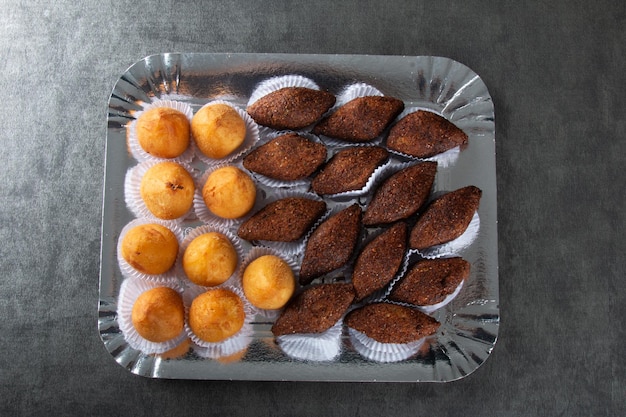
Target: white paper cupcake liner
[(382, 352), (444, 159), (354, 91), (252, 135), (129, 272), (289, 249), (193, 233), (130, 290), (217, 352), (276, 83), (205, 215), (229, 346), (133, 143), (454, 246), (257, 252), (132, 192), (324, 346), (276, 183)]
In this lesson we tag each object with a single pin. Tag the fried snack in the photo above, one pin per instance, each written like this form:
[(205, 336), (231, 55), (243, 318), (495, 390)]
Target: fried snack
[(361, 119), (163, 132), (287, 157), (401, 195), (291, 108), (150, 248), (167, 190), (218, 130), (430, 281), (390, 323), (229, 192), (216, 315), (158, 314), (424, 134), (268, 282), (210, 259), (331, 244), (379, 261), (284, 220), (314, 310), (349, 169), (446, 218)]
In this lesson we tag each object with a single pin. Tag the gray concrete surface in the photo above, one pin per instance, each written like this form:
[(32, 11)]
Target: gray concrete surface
[(556, 73)]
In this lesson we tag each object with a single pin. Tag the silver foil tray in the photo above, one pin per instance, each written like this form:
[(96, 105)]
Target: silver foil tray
[(469, 325)]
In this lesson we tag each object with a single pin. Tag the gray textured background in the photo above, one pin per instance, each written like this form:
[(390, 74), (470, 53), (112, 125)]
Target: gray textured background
[(556, 72)]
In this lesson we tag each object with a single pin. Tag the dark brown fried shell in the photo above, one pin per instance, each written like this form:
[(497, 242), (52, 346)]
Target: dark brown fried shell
[(446, 218), (424, 134), (331, 244), (361, 119), (430, 281), (379, 261), (314, 310), (349, 170), (390, 323), (401, 195), (291, 108), (284, 220), (287, 157)]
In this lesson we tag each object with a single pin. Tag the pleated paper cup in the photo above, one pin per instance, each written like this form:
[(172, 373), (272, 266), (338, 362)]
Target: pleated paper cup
[(198, 231), (128, 271), (130, 290), (139, 153), (317, 347), (132, 192), (255, 253), (276, 83), (228, 346), (252, 136), (383, 352)]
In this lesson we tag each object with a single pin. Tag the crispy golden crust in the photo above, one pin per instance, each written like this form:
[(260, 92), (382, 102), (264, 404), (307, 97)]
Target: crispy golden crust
[(150, 248), (285, 220), (218, 130), (349, 169), (167, 189), (424, 134), (361, 119), (291, 108), (379, 261), (210, 259), (430, 281), (446, 218), (229, 192), (268, 282), (331, 244), (158, 314), (287, 157), (314, 310), (401, 195), (163, 132), (216, 315), (390, 323)]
